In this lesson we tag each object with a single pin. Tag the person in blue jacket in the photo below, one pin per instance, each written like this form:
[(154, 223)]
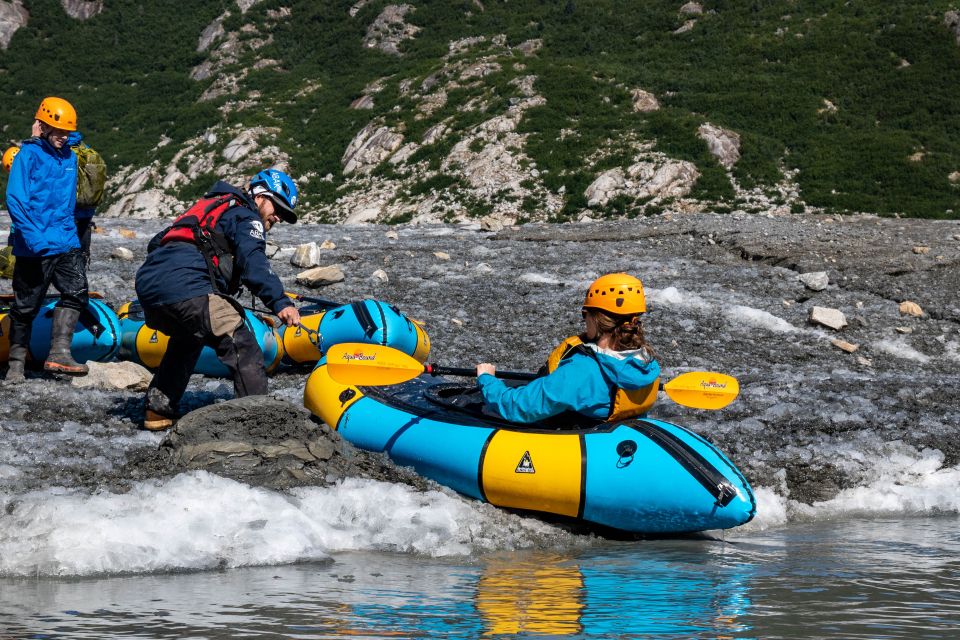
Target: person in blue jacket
[(41, 196), (608, 373), (186, 283)]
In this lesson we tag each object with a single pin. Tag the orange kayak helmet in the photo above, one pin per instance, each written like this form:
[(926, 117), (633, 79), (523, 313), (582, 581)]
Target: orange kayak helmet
[(617, 293), (8, 157), (58, 113)]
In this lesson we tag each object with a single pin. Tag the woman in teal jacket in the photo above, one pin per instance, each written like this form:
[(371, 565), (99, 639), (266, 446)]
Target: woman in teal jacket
[(608, 373)]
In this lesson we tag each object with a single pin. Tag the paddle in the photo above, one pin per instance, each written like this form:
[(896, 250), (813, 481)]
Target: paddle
[(329, 304), (374, 365)]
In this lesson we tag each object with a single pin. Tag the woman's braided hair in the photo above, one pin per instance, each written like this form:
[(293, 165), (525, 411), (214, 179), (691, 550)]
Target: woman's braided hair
[(626, 331)]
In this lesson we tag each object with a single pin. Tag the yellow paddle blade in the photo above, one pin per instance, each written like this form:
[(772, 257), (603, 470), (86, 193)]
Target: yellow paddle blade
[(370, 364), (703, 389)]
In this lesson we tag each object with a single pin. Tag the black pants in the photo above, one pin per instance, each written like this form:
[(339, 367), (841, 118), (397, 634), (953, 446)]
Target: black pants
[(85, 227), (32, 277), (189, 327)]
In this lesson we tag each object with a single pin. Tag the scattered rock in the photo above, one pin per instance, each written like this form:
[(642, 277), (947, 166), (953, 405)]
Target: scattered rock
[(644, 101), (272, 249), (306, 255), (692, 9), (904, 330), (363, 102), (320, 276), (530, 47), (262, 441), (211, 33), (922, 251), (815, 281), (355, 9), (441, 255), (12, 17), (723, 143), (843, 345), (380, 275), (244, 5), (129, 234), (241, 146), (491, 223), (828, 108), (114, 375), (685, 27), (390, 29), (82, 9), (371, 146), (328, 245), (952, 20), (392, 235), (908, 308), (954, 177), (121, 253), (830, 318), (658, 177)]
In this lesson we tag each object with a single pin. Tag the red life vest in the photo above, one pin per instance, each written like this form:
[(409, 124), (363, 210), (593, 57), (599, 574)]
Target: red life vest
[(199, 227)]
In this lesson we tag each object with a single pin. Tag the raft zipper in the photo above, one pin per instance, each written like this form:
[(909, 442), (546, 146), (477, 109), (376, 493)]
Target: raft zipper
[(702, 471)]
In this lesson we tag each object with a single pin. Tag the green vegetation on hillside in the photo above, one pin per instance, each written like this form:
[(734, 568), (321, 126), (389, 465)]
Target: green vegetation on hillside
[(768, 69)]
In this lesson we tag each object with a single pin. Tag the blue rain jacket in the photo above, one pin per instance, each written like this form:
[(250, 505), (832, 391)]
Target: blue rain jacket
[(177, 271), (41, 197), (73, 140), (576, 385)]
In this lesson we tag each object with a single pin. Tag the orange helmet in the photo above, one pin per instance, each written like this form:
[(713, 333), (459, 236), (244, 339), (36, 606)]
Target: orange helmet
[(8, 157), (617, 293), (58, 113)]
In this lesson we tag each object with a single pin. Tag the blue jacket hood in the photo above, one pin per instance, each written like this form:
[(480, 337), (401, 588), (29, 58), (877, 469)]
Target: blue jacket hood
[(74, 138), (627, 369)]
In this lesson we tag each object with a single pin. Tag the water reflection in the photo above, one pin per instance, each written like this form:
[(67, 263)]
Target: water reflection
[(541, 595), (622, 594), (877, 579)]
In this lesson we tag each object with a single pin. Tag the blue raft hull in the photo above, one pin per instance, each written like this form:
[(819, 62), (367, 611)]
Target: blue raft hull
[(96, 336), (640, 475)]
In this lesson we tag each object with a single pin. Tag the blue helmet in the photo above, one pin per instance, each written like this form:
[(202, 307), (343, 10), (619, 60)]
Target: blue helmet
[(280, 188)]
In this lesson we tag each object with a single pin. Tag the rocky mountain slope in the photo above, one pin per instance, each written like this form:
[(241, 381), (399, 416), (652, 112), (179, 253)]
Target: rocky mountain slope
[(505, 111)]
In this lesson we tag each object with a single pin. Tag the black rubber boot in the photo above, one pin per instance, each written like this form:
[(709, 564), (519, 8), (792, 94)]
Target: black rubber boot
[(18, 357), (60, 359)]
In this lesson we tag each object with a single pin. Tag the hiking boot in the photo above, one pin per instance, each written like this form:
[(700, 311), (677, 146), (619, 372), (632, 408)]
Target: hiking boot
[(18, 357), (60, 359), (154, 421)]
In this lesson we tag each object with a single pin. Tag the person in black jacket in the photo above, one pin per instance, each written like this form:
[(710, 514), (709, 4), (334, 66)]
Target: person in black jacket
[(194, 267)]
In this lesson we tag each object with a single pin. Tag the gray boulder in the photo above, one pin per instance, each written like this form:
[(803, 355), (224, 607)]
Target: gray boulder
[(262, 441), (12, 17)]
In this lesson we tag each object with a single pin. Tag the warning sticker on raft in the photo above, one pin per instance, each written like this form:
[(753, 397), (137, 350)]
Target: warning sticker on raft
[(526, 464)]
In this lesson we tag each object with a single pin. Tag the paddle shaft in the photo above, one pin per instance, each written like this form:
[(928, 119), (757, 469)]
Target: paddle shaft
[(329, 304), (435, 370)]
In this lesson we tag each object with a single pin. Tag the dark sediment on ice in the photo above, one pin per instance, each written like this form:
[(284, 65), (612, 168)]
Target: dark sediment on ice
[(265, 442)]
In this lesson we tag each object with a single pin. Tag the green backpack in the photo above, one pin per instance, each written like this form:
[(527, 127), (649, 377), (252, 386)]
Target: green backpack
[(91, 177)]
